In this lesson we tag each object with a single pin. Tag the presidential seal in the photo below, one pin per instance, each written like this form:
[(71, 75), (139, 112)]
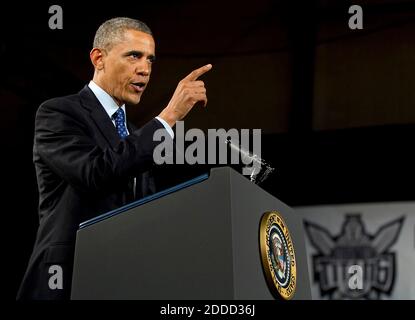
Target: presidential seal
[(278, 256)]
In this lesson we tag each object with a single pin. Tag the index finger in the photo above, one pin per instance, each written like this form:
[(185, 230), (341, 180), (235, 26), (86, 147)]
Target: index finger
[(192, 76)]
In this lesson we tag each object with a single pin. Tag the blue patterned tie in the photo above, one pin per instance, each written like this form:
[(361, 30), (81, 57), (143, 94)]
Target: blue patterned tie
[(119, 118)]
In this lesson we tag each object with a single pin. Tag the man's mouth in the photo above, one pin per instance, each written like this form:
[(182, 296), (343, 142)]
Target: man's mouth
[(138, 86)]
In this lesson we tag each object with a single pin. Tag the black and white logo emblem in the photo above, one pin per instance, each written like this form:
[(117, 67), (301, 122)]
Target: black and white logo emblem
[(354, 246)]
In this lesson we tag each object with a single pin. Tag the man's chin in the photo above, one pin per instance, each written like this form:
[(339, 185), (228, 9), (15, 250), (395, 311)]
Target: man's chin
[(133, 100)]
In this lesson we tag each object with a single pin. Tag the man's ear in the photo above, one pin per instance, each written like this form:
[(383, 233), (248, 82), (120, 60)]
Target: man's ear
[(97, 58)]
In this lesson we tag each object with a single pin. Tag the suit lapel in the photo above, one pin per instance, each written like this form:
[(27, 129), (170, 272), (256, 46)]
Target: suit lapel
[(106, 127), (100, 117)]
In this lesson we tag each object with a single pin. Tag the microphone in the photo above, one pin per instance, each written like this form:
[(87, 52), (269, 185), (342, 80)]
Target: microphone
[(260, 168)]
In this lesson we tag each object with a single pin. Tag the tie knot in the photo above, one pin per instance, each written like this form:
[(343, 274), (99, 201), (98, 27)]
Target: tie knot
[(119, 114)]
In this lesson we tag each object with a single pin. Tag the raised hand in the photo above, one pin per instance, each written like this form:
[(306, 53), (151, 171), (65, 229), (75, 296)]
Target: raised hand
[(189, 91)]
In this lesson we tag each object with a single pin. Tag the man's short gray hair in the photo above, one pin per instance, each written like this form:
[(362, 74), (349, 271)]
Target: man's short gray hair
[(112, 31)]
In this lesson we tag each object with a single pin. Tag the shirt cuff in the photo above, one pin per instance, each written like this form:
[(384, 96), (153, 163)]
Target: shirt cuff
[(166, 125)]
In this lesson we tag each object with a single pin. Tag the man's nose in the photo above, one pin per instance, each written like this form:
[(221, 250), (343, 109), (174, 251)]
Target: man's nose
[(143, 68)]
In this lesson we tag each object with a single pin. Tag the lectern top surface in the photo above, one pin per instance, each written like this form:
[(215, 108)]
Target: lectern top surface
[(143, 201)]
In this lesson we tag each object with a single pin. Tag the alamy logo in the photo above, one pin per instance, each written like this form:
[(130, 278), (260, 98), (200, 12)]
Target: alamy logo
[(356, 20), (354, 264), (56, 278), (356, 278), (213, 149), (56, 20)]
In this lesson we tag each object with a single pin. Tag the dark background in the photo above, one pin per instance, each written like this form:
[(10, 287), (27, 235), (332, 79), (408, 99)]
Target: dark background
[(336, 106)]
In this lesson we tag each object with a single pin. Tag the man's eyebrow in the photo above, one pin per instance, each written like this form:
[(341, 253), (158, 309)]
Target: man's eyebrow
[(138, 53), (129, 53)]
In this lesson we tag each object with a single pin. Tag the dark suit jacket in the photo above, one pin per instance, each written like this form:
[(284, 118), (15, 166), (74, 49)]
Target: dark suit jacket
[(83, 169)]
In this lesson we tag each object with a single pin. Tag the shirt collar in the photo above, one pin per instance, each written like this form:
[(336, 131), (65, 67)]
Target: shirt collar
[(105, 99)]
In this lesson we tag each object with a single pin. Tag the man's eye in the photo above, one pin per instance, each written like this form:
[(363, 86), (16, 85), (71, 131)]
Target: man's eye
[(135, 55), (151, 59)]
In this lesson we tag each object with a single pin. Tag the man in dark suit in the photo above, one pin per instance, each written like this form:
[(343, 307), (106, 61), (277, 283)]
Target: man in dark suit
[(88, 159)]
